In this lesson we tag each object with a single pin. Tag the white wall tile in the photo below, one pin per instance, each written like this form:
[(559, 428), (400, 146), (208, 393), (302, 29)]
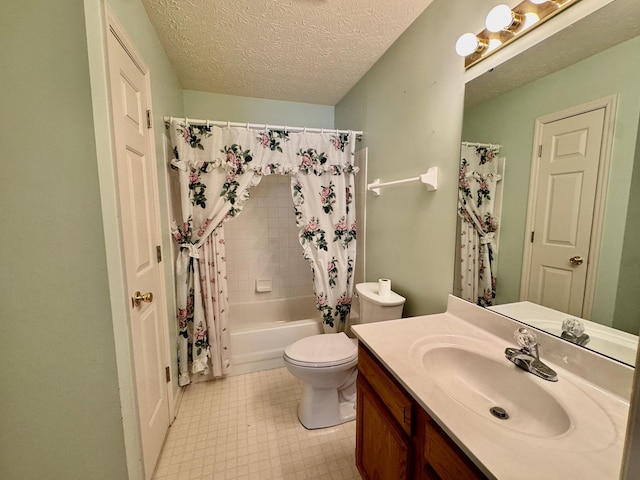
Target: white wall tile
[(262, 242)]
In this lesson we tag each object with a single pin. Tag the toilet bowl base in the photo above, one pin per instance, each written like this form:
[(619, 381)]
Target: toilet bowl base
[(346, 412)]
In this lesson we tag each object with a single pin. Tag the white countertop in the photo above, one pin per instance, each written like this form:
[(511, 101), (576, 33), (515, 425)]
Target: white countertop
[(591, 448)]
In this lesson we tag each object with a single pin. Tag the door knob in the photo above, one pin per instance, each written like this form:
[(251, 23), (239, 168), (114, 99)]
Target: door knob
[(577, 260), (139, 297)]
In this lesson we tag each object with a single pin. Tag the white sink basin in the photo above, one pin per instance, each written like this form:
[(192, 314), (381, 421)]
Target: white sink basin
[(474, 374), (480, 383)]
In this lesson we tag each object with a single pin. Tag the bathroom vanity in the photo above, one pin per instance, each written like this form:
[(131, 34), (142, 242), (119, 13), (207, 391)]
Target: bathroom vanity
[(396, 437), (432, 392)]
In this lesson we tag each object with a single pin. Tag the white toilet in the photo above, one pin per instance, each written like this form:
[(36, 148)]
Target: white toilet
[(327, 363)]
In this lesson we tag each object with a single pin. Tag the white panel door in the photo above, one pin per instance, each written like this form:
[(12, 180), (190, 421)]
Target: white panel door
[(139, 210), (565, 201)]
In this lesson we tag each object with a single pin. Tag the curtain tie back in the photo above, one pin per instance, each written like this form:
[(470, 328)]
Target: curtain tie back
[(193, 249), (179, 164), (487, 238)]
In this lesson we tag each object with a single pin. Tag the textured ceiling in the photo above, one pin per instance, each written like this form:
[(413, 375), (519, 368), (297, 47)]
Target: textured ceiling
[(310, 51)]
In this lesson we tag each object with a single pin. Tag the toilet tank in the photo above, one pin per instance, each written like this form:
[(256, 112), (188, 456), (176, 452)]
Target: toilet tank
[(374, 307)]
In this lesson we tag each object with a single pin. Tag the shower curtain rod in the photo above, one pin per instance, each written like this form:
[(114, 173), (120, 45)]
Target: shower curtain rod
[(193, 121), (476, 144)]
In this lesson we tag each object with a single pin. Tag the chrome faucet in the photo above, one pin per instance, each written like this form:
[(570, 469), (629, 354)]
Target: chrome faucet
[(528, 357), (573, 330)]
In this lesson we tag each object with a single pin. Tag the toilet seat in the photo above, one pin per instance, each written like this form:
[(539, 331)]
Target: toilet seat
[(325, 350)]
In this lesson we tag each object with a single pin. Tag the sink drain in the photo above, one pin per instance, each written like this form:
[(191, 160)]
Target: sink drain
[(499, 412)]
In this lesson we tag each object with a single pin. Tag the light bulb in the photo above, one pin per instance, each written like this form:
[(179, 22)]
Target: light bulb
[(467, 44), (530, 19), (499, 18), (493, 44)]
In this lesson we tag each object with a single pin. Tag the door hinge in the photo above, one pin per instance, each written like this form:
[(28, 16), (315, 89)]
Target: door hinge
[(149, 124), (532, 235), (539, 150), (167, 373), (159, 253)]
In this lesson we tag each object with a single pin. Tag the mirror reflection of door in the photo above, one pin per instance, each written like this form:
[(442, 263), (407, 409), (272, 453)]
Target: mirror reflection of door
[(565, 175)]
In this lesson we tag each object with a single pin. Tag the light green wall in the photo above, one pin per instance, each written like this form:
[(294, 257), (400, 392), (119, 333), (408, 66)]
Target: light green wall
[(215, 106), (509, 120), (410, 107), (627, 309), (59, 397), (64, 398)]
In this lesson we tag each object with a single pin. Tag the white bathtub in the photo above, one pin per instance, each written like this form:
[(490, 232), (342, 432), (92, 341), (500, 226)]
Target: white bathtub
[(261, 330)]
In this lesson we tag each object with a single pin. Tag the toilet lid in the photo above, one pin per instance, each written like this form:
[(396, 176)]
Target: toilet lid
[(322, 350)]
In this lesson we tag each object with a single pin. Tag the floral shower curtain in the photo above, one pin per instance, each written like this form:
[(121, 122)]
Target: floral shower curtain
[(217, 167), (476, 196), (325, 213), (215, 177)]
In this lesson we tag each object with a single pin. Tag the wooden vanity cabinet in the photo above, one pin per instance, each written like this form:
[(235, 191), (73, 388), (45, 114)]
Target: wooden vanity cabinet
[(396, 438)]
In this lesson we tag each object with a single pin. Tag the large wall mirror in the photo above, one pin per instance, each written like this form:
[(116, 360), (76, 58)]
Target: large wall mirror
[(594, 61)]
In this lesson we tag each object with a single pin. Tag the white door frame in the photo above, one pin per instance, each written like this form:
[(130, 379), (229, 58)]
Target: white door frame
[(113, 26), (609, 105)]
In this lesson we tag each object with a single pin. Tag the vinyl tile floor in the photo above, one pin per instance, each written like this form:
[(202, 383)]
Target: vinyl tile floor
[(246, 427)]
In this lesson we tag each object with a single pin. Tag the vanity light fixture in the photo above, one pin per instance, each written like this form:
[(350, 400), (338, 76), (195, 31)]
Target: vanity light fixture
[(469, 43), (540, 2), (501, 17), (504, 25)]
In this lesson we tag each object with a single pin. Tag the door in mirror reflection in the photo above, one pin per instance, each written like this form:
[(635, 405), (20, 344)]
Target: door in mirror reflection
[(563, 199)]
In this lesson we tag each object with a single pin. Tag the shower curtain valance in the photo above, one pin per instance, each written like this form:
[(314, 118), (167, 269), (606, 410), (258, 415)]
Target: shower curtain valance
[(205, 147), (217, 166)]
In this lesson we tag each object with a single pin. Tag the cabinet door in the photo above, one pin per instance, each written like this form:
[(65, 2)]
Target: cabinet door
[(383, 450), (396, 400), (444, 459)]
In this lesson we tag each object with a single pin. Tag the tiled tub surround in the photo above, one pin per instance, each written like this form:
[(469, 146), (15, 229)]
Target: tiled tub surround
[(588, 450), (262, 244), (263, 250)]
